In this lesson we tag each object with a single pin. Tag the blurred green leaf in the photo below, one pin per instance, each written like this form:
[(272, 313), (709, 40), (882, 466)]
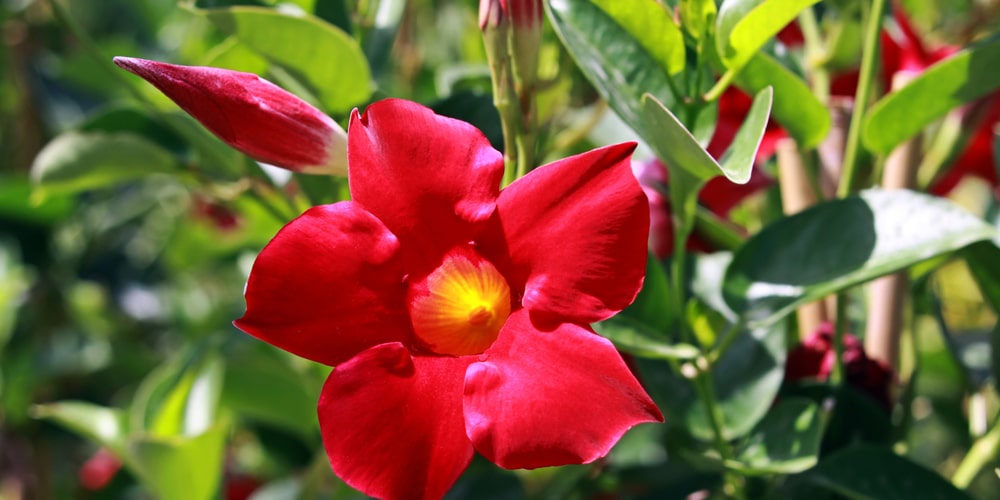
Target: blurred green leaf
[(653, 27), (181, 468), (378, 42), (869, 472), (77, 161), (796, 108), (181, 396), (745, 380), (738, 161), (784, 442), (262, 386), (14, 281), (618, 65), (101, 425), (744, 26), (698, 18), (838, 244), (961, 78), (322, 56)]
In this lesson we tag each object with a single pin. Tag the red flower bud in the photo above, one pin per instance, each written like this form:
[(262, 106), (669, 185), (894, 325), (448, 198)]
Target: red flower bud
[(253, 115)]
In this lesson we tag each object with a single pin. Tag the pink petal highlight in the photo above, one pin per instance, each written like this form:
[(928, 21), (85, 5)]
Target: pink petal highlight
[(551, 398), (328, 286), (250, 114), (392, 423)]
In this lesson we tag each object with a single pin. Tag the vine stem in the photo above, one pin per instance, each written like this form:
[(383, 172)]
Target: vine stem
[(866, 79)]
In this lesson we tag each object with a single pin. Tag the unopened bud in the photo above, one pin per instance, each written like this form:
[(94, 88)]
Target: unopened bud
[(251, 114)]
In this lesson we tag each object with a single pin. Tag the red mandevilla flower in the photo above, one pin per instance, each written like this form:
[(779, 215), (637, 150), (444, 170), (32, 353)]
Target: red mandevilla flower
[(457, 314), (250, 114)]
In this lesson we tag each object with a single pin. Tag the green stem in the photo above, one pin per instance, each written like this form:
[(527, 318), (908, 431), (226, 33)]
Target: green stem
[(866, 79), (815, 54), (720, 86), (983, 451), (706, 393), (839, 328)]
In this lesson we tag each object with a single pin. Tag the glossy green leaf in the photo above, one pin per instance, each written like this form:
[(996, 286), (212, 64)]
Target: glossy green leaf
[(181, 468), (653, 27), (322, 56), (619, 67), (101, 425), (737, 163), (869, 472), (786, 441), (838, 244), (78, 161), (698, 17), (963, 77), (744, 26), (795, 107), (674, 144)]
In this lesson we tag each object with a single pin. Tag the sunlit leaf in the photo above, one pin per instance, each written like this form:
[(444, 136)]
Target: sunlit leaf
[(322, 56), (744, 26), (838, 244), (796, 108), (619, 67), (103, 426), (653, 28), (737, 163), (963, 77), (674, 144), (181, 468)]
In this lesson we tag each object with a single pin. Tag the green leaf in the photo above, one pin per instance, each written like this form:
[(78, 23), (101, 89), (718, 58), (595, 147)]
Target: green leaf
[(878, 473), (983, 260), (264, 387), (653, 27), (618, 65), (744, 26), (634, 337), (323, 57), (78, 161), (674, 144), (101, 425), (180, 397), (963, 77), (698, 17), (738, 161), (378, 41), (786, 441), (181, 468), (745, 380), (796, 108), (838, 244)]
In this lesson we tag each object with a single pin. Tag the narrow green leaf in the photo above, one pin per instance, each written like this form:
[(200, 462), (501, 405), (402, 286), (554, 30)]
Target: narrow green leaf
[(737, 164), (101, 425), (78, 161), (744, 26), (674, 144), (181, 468), (634, 337), (619, 67), (878, 473), (838, 244), (653, 27), (962, 78), (798, 111), (322, 56), (786, 441)]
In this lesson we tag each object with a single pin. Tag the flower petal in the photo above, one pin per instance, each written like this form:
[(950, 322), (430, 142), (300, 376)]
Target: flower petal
[(328, 286), (572, 236), (432, 180), (544, 398), (392, 424), (251, 114)]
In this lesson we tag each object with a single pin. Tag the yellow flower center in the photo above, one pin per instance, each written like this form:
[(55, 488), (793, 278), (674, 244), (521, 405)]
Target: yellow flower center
[(459, 308)]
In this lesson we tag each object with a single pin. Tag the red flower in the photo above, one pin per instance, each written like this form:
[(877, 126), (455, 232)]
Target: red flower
[(815, 357), (250, 114), (99, 470), (457, 314)]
